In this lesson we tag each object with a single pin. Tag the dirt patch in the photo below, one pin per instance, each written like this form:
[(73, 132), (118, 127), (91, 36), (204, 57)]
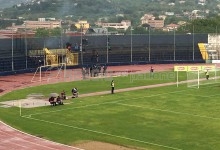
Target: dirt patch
[(25, 103), (94, 145)]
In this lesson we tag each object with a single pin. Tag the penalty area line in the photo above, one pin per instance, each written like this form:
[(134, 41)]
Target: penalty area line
[(103, 133)]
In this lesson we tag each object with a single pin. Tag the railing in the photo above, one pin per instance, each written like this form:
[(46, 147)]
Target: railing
[(143, 49)]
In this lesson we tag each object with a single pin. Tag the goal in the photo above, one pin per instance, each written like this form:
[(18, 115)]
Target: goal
[(48, 72), (198, 78)]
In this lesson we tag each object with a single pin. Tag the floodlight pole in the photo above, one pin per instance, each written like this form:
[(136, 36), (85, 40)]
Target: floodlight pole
[(198, 78), (131, 45), (12, 50), (193, 45), (149, 58), (107, 45), (174, 45), (26, 44), (216, 33), (61, 40), (81, 48)]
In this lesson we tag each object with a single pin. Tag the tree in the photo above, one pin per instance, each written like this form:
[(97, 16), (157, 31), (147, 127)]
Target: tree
[(137, 30), (42, 32), (73, 27), (209, 25), (110, 29), (55, 32)]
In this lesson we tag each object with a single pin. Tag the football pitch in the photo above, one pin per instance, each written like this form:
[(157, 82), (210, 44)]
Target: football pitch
[(159, 118)]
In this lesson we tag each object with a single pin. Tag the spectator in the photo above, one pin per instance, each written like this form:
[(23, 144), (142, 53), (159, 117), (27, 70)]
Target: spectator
[(52, 101), (75, 93), (63, 95), (59, 101), (151, 71), (84, 72), (112, 87), (104, 69)]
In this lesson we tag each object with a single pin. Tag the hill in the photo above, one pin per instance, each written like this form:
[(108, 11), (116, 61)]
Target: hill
[(10, 3), (106, 10)]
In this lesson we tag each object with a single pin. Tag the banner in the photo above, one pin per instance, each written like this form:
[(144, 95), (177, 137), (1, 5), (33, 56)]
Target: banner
[(210, 68), (180, 68), (194, 68)]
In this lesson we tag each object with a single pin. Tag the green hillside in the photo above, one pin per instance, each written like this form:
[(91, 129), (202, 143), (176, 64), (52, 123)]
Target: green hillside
[(92, 10)]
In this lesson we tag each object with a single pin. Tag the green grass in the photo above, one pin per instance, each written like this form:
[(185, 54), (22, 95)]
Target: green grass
[(95, 85), (156, 119)]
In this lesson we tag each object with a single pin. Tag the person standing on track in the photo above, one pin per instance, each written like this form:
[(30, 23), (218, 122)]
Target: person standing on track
[(112, 86), (151, 71)]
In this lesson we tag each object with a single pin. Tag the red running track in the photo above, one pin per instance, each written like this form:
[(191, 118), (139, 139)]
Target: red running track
[(12, 139)]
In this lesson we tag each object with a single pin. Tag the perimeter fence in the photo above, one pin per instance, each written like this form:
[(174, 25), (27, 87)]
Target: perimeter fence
[(27, 53)]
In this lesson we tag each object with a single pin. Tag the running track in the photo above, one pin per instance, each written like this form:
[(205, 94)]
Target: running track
[(12, 139)]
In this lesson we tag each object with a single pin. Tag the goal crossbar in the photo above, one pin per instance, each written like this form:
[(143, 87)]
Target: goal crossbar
[(195, 74), (38, 75)]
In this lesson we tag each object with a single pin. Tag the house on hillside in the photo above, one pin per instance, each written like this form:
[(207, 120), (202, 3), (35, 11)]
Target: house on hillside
[(150, 20), (124, 25), (146, 18), (42, 23), (171, 27), (82, 24)]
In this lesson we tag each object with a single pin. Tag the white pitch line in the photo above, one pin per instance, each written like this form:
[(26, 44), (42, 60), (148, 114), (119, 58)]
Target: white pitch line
[(30, 115), (35, 137), (203, 95), (98, 104), (103, 133), (175, 112)]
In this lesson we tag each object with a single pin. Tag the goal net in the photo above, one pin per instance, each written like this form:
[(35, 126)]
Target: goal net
[(49, 72), (201, 77)]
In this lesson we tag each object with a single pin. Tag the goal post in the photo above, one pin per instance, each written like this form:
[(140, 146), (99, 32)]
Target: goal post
[(48, 72), (193, 78), (198, 75), (178, 69), (203, 76)]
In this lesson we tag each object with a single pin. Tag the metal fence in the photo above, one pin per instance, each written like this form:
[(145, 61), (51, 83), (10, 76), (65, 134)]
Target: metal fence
[(17, 53)]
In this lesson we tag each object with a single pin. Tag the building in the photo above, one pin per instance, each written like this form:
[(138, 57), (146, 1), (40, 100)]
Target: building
[(169, 13), (163, 17), (5, 34), (150, 19), (82, 24), (193, 16), (202, 2), (171, 27), (156, 23), (42, 23), (171, 4), (123, 25), (181, 23), (182, 1), (146, 17)]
